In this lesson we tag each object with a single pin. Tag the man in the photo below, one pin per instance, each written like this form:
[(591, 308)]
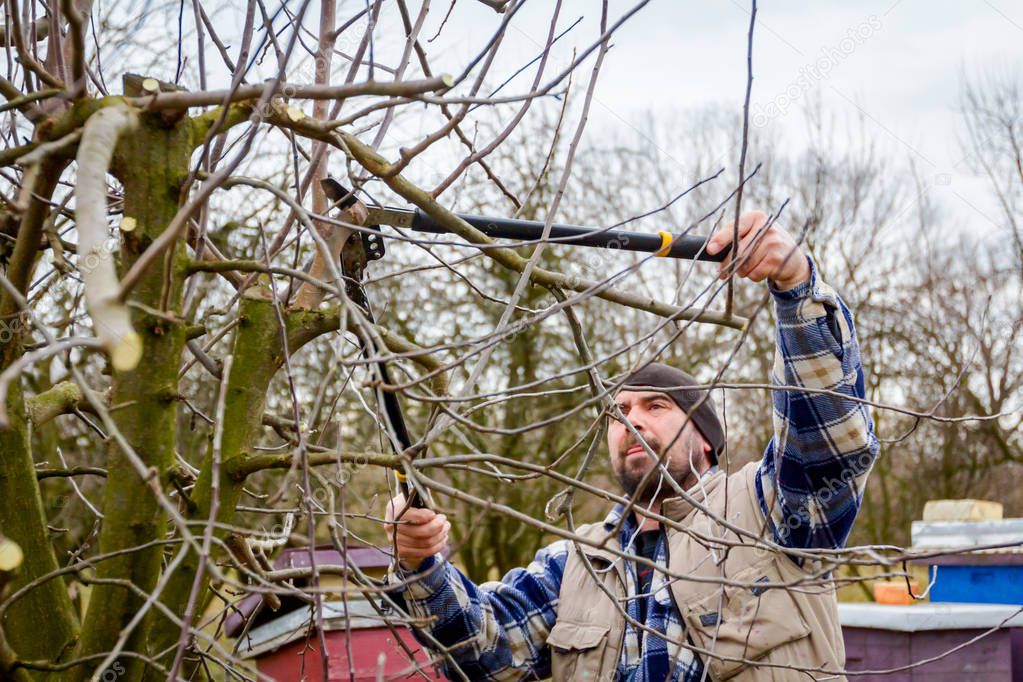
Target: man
[(730, 583)]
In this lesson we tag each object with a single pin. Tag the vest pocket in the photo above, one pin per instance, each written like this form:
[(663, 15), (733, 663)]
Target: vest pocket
[(748, 623), (577, 650)]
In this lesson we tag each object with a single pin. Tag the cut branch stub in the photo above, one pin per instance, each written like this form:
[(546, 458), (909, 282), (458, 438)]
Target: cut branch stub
[(111, 318), (10, 558)]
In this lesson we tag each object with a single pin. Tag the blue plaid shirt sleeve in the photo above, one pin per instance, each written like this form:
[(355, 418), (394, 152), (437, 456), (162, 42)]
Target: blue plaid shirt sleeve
[(811, 479), (494, 631)]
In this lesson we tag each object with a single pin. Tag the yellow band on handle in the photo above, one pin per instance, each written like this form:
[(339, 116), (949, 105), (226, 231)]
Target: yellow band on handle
[(666, 240), (401, 477)]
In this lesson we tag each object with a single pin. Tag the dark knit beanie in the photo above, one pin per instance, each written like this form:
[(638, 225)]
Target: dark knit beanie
[(673, 382)]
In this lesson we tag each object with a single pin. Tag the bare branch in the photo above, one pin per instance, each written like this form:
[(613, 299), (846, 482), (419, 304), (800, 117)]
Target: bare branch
[(111, 319)]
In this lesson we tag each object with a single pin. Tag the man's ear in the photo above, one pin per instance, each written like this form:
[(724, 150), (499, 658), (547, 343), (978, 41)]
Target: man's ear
[(708, 458)]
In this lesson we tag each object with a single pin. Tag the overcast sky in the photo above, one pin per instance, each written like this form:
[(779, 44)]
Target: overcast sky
[(898, 63)]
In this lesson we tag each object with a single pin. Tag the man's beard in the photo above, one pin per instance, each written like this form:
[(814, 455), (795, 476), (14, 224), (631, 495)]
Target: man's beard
[(656, 488)]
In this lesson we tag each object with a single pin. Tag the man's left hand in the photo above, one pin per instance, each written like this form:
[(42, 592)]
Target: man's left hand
[(764, 252)]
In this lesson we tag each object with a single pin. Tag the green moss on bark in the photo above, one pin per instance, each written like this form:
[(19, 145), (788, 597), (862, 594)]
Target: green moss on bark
[(41, 625), (152, 162), (257, 357)]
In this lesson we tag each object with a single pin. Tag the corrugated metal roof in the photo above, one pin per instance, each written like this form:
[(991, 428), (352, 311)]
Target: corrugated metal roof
[(363, 556), (932, 616), (1003, 536), (291, 626)]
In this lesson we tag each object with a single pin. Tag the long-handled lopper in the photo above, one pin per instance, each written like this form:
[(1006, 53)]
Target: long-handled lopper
[(664, 244), (358, 252)]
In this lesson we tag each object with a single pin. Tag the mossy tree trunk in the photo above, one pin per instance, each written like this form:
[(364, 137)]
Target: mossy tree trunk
[(152, 163), (257, 355), (42, 625)]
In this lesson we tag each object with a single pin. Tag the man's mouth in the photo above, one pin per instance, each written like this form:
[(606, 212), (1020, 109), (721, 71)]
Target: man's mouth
[(635, 449)]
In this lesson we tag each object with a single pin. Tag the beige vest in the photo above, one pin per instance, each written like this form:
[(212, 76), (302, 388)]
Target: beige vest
[(769, 626)]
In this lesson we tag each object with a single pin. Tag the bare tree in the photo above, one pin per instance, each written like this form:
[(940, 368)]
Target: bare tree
[(190, 368), (169, 314), (992, 108)]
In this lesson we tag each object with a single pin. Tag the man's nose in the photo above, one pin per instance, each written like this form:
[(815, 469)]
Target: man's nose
[(638, 419)]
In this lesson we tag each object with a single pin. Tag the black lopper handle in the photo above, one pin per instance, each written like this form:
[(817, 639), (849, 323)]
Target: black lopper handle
[(662, 243), (344, 198)]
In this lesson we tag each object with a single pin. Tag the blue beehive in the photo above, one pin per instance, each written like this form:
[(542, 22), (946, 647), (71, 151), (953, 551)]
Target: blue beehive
[(984, 563)]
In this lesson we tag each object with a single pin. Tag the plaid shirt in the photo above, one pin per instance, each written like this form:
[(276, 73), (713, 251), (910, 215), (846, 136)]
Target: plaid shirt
[(814, 471)]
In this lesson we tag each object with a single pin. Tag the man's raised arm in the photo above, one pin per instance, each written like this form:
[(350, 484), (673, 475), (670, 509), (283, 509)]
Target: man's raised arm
[(811, 479)]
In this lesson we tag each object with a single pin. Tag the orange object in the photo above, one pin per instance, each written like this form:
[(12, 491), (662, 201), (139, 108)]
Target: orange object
[(894, 593)]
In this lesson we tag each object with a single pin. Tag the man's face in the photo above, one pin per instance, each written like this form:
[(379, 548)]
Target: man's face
[(659, 420)]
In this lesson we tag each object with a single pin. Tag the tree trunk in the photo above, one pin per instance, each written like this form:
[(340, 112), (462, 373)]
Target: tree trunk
[(152, 163), (257, 357), (42, 625)]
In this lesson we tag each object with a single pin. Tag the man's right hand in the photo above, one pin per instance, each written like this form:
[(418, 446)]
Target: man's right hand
[(421, 533)]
